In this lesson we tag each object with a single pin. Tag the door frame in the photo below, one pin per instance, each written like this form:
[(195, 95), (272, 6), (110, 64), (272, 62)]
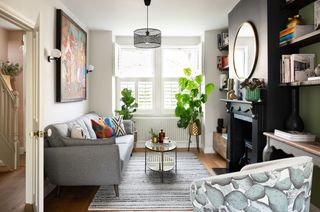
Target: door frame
[(28, 26)]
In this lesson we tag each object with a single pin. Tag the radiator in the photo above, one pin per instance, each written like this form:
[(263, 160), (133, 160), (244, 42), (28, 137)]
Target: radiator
[(168, 124)]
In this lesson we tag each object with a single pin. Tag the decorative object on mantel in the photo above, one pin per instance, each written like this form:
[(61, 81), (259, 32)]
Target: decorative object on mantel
[(294, 21), (190, 101), (317, 15), (147, 38), (231, 93), (72, 66), (317, 70), (9, 71), (253, 89)]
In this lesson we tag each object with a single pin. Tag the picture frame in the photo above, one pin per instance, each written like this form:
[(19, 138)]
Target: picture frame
[(71, 71)]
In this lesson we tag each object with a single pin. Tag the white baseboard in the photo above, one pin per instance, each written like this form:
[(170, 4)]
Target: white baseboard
[(180, 144), (314, 208), (208, 150)]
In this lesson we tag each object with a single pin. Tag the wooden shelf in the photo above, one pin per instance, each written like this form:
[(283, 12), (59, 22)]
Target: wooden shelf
[(304, 40), (297, 4), (301, 84), (224, 89), (240, 101)]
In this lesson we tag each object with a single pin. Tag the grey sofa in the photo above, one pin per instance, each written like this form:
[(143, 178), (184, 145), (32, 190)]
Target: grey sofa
[(91, 161)]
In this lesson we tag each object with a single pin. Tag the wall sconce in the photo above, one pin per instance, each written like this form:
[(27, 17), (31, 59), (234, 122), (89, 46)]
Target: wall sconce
[(90, 69), (54, 54)]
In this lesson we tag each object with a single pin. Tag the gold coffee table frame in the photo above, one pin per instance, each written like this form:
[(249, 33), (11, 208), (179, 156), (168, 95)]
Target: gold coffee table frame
[(160, 163)]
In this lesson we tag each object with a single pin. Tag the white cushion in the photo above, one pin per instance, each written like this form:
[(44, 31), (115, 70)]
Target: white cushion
[(78, 132)]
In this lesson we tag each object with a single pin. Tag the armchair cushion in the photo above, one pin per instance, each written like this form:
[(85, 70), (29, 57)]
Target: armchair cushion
[(282, 185)]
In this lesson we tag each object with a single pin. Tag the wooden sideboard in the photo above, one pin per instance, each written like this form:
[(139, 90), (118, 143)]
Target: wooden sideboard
[(220, 145), (311, 149)]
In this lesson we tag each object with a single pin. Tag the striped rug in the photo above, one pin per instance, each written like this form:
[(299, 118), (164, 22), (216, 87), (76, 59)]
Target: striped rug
[(140, 191)]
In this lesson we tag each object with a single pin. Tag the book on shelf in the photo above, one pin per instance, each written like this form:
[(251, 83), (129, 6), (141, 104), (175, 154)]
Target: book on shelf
[(289, 34), (297, 67), (295, 136)]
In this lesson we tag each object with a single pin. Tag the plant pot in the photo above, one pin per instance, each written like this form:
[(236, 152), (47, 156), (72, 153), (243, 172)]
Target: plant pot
[(253, 95), (7, 80), (154, 139), (195, 128)]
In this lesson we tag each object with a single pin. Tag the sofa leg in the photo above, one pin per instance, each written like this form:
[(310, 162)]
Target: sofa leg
[(58, 191), (116, 190)]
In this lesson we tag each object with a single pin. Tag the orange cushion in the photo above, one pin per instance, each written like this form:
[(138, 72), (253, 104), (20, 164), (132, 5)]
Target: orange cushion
[(101, 129)]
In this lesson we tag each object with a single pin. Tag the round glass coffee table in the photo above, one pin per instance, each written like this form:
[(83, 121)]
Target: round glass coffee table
[(160, 162)]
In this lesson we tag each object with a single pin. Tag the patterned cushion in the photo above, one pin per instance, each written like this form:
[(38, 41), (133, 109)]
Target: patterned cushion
[(101, 129), (78, 132), (108, 121), (117, 122)]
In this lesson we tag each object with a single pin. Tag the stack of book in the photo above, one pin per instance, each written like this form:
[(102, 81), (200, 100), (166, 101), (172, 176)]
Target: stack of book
[(289, 34), (295, 136), (297, 67)]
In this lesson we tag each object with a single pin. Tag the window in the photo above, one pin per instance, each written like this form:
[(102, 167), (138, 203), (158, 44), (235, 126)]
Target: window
[(152, 75)]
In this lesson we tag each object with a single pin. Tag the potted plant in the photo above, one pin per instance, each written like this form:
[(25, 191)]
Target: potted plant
[(190, 100), (154, 137), (253, 89), (9, 71), (129, 105)]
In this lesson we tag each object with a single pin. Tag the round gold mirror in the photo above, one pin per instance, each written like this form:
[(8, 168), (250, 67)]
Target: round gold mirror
[(245, 52)]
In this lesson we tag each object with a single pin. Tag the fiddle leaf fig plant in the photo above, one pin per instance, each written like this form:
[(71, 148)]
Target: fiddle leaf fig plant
[(129, 104), (190, 99)]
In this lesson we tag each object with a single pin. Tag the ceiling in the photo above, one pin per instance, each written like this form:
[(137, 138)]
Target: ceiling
[(172, 17)]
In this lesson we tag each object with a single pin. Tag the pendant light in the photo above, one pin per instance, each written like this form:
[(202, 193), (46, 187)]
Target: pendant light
[(147, 38)]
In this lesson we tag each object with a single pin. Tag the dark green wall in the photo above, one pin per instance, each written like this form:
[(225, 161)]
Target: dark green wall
[(310, 103)]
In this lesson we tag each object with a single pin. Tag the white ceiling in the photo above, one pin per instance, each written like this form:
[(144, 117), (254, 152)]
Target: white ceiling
[(172, 17)]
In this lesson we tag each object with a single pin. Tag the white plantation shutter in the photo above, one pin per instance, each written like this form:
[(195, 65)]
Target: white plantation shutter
[(170, 89), (145, 95)]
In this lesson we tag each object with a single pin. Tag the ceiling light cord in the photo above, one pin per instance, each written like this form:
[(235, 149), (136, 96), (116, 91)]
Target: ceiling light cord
[(147, 20)]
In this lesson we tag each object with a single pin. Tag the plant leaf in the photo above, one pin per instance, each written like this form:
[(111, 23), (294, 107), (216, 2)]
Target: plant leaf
[(199, 79), (209, 88), (187, 72)]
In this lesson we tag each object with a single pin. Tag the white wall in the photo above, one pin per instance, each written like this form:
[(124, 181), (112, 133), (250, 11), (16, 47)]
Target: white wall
[(52, 111), (101, 56), (214, 108)]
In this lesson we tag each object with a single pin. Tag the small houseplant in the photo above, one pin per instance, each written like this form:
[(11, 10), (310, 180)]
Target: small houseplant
[(129, 104), (253, 89), (190, 100), (9, 71), (154, 136)]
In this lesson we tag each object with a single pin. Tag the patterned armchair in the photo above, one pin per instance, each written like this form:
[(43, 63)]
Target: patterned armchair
[(274, 186)]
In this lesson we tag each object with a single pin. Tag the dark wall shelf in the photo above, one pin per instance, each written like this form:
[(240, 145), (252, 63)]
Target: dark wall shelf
[(304, 40), (297, 4), (301, 84)]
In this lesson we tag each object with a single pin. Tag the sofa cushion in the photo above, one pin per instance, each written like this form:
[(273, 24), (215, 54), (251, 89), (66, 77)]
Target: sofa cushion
[(87, 120), (101, 129), (125, 144), (78, 132), (84, 142), (58, 131), (108, 122), (117, 122)]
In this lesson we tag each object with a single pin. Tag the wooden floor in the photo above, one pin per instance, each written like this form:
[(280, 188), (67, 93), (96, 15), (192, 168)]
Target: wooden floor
[(78, 199), (12, 188)]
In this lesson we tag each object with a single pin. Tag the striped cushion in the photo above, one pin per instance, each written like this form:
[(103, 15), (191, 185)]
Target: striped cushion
[(117, 122)]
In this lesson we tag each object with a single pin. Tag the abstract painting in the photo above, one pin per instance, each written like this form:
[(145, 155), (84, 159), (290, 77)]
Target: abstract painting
[(71, 74)]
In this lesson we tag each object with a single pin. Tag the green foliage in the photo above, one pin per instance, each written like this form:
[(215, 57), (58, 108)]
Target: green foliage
[(153, 133), (10, 69), (191, 98), (129, 105)]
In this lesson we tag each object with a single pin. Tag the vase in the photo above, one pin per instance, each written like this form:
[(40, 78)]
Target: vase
[(194, 128), (295, 122), (7, 80), (252, 95), (154, 139)]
